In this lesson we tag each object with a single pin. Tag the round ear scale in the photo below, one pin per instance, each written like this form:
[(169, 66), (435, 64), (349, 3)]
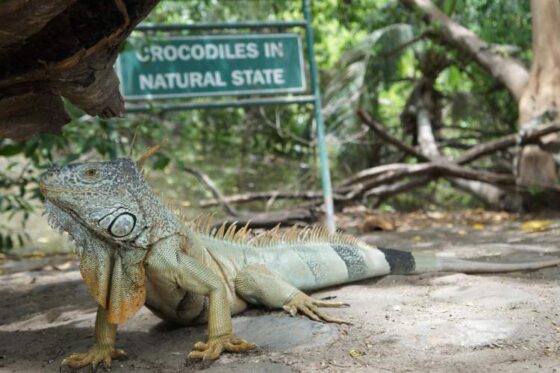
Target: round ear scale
[(122, 225)]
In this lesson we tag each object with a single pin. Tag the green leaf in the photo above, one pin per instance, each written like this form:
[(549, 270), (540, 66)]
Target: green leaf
[(11, 149), (161, 162), (71, 157)]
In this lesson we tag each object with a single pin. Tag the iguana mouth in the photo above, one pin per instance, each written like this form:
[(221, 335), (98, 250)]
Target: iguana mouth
[(44, 188)]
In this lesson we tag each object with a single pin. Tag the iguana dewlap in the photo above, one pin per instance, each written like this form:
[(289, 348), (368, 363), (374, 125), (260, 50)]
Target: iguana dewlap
[(134, 251)]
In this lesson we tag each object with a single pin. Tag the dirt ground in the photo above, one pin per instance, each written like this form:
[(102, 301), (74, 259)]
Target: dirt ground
[(444, 322)]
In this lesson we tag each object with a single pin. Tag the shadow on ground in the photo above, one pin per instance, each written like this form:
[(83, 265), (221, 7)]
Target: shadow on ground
[(432, 322)]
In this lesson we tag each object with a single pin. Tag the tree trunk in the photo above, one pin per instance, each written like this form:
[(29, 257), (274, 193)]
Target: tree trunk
[(61, 48), (542, 93)]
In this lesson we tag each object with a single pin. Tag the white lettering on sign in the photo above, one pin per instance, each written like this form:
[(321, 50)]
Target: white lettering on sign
[(198, 52), (194, 79), (272, 50), (257, 77), (181, 80)]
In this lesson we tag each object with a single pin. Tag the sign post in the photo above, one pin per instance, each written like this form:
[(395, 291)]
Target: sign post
[(226, 65), (323, 155)]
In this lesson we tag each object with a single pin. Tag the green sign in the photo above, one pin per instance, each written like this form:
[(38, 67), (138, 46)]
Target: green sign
[(211, 65)]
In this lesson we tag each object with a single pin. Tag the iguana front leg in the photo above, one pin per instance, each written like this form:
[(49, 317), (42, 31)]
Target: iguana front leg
[(103, 350), (258, 285), (195, 277)]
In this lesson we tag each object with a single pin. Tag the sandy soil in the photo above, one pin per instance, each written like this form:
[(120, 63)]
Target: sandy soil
[(423, 323)]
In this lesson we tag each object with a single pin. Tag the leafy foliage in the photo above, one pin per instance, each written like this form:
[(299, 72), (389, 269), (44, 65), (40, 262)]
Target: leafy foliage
[(371, 55)]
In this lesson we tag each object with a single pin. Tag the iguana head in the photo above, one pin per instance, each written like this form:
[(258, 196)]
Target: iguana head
[(105, 197), (111, 213)]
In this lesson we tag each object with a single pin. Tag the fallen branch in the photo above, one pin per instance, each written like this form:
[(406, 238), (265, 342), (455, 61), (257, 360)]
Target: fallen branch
[(381, 132), (262, 196), (385, 191), (377, 171), (505, 142), (474, 152), (208, 183), (273, 218), (400, 171), (385, 181)]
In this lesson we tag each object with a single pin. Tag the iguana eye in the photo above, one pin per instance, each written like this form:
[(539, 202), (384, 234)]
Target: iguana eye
[(91, 172), (122, 225)]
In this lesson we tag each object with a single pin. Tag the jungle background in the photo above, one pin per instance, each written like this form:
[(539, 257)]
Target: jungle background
[(441, 121), (430, 102)]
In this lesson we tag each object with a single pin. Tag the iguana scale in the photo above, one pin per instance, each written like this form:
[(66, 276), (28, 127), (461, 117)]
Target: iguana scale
[(135, 251)]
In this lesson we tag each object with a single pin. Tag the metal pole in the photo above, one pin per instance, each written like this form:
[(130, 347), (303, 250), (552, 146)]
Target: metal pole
[(323, 156)]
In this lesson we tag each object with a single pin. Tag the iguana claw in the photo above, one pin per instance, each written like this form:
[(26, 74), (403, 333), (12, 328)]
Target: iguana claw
[(96, 355), (215, 346), (310, 307)]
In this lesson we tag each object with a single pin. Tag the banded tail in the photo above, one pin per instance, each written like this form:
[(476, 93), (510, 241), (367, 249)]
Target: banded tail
[(311, 266), (313, 258)]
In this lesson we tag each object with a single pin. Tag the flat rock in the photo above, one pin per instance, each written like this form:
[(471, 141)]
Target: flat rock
[(249, 367), (282, 333)]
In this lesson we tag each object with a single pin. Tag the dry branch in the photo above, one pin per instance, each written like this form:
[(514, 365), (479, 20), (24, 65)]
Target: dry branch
[(506, 142), (273, 218), (386, 191), (208, 183), (399, 171), (468, 156), (263, 196), (381, 132), (387, 180)]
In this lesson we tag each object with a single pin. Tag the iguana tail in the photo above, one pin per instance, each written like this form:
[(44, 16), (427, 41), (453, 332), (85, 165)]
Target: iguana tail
[(403, 262), (313, 258), (315, 266), (467, 266)]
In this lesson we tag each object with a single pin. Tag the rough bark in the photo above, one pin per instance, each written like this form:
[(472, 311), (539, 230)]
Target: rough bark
[(61, 48), (542, 92)]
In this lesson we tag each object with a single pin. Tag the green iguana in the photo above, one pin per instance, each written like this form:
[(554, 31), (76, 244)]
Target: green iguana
[(134, 251)]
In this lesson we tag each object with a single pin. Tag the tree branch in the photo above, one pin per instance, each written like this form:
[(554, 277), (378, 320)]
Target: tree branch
[(505, 142), (273, 218), (262, 196), (381, 132), (208, 183), (508, 71)]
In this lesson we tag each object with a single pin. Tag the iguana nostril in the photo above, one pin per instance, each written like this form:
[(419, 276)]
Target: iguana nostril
[(50, 174), (47, 176)]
